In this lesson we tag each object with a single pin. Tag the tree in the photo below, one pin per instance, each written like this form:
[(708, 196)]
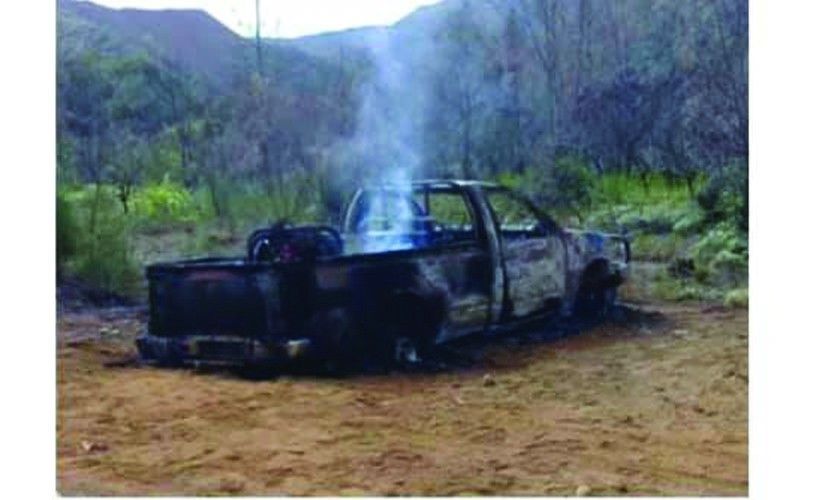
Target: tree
[(459, 89), (618, 117), (84, 89), (543, 20), (152, 96), (128, 166), (507, 142)]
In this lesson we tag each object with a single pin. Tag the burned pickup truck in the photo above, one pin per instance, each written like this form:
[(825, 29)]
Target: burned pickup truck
[(412, 267)]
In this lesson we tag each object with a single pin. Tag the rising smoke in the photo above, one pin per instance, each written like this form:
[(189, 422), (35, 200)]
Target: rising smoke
[(389, 131), (386, 147)]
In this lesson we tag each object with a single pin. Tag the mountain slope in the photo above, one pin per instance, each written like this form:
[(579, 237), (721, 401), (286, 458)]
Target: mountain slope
[(199, 44), (191, 40)]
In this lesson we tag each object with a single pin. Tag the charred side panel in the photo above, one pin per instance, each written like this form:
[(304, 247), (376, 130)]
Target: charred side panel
[(439, 294), (535, 270), (381, 294), (464, 278)]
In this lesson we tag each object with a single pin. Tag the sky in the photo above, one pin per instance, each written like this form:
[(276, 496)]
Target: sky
[(288, 18)]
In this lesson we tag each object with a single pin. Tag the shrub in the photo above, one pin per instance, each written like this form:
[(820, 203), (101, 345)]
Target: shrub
[(690, 223), (721, 256), (725, 197), (564, 187), (166, 203), (107, 261), (652, 247), (668, 288), (738, 298), (93, 238), (98, 234), (648, 203), (510, 180)]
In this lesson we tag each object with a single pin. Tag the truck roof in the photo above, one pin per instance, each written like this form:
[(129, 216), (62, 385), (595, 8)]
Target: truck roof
[(438, 183)]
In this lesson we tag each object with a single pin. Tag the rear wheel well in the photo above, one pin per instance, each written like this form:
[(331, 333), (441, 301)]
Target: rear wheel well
[(415, 315)]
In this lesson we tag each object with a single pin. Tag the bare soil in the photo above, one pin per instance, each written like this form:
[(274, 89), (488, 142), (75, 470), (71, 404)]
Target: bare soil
[(655, 403)]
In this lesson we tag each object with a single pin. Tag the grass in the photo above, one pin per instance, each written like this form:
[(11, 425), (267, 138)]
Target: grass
[(658, 247), (642, 192)]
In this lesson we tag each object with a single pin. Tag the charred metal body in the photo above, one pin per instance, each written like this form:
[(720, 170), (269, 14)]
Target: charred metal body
[(465, 257)]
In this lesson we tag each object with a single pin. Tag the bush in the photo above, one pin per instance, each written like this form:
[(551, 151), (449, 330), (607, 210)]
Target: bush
[(690, 223), (738, 298), (93, 239), (649, 203), (667, 288), (166, 204), (654, 248), (564, 187), (725, 197), (721, 256)]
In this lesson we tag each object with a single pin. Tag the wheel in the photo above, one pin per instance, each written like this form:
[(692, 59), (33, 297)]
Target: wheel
[(596, 303), (405, 351), (596, 296), (410, 327), (340, 349), (350, 358), (607, 302)]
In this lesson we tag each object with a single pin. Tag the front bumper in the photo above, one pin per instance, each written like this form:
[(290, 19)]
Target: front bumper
[(219, 350)]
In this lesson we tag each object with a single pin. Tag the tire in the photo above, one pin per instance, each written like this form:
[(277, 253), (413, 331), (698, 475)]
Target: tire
[(411, 331), (340, 350), (597, 303), (351, 357), (406, 352), (596, 297)]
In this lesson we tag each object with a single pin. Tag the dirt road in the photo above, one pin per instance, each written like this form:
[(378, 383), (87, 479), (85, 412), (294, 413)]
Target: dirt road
[(655, 404)]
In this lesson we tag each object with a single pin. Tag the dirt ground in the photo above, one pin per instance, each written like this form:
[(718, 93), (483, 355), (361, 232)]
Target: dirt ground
[(655, 403)]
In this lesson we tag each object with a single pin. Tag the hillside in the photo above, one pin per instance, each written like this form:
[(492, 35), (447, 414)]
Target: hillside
[(191, 40), (200, 45), (410, 39)]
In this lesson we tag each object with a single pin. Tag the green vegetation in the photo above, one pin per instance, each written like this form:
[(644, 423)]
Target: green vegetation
[(566, 186), (165, 205), (630, 118), (701, 248), (704, 252), (94, 239), (693, 229)]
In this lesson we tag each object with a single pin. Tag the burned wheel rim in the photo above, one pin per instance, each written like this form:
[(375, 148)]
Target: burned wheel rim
[(405, 351), (597, 303)]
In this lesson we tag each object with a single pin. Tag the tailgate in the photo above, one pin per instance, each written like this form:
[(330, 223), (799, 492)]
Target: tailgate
[(213, 297)]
